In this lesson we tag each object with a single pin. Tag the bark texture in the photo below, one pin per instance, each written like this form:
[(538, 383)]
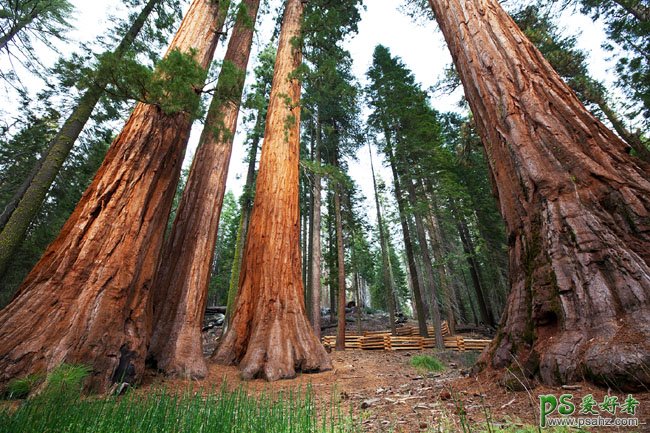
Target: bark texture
[(27, 201), (576, 206), (87, 299), (270, 335), (180, 287)]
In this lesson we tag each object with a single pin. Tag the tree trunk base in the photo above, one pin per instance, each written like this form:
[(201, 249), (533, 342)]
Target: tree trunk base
[(182, 357), (280, 345)]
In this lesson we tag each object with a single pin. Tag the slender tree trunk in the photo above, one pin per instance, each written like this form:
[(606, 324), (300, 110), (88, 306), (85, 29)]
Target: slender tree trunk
[(389, 283), (634, 140), (270, 335), (420, 310), (576, 207), (472, 263), (181, 284), (427, 264), (87, 300), (18, 26), (340, 254), (27, 201), (435, 235), (315, 239), (331, 259)]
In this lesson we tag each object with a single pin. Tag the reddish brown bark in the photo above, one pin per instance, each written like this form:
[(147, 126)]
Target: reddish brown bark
[(181, 284), (87, 299), (576, 206), (270, 335)]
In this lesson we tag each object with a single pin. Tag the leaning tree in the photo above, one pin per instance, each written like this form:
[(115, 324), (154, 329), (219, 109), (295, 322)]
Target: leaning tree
[(270, 335), (576, 206), (87, 300)]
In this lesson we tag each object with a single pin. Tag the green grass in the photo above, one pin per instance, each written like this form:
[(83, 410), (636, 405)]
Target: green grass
[(427, 363), (159, 411), (22, 387)]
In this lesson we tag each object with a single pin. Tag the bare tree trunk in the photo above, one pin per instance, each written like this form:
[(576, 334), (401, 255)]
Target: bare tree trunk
[(420, 310), (576, 207), (180, 287), (435, 235), (389, 283), (270, 335), (427, 264), (87, 300), (340, 249), (315, 240), (26, 202)]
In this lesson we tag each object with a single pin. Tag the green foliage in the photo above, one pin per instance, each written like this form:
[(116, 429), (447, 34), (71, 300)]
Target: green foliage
[(224, 253), (25, 22), (627, 24), (427, 363), (174, 85), (161, 412)]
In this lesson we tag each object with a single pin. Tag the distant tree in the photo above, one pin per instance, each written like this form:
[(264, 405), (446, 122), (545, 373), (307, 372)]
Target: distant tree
[(25, 22), (224, 253)]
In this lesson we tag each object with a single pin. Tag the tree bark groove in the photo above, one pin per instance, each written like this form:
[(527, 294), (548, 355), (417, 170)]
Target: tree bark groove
[(576, 205)]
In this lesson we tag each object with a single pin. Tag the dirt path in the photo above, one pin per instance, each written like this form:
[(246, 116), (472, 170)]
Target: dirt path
[(386, 394)]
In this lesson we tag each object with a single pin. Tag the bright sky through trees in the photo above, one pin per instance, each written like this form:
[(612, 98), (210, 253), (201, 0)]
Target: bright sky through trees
[(420, 46)]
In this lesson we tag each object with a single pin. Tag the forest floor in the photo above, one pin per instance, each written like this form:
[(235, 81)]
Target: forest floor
[(384, 393)]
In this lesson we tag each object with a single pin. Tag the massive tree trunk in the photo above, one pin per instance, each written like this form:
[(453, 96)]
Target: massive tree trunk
[(387, 275), (25, 204), (315, 240), (270, 335), (576, 206), (87, 300), (246, 208), (180, 287)]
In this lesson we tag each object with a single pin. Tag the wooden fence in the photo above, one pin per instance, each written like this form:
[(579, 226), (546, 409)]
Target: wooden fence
[(406, 339)]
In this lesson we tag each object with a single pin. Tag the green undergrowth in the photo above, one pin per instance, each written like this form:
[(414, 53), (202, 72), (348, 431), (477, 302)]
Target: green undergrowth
[(57, 408), (427, 363)]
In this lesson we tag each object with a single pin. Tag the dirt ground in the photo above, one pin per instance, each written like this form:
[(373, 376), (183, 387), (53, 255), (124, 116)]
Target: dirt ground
[(384, 393)]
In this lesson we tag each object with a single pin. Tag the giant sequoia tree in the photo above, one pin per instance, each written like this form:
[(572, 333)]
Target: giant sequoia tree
[(87, 299), (576, 206), (26, 202), (270, 335), (181, 284)]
